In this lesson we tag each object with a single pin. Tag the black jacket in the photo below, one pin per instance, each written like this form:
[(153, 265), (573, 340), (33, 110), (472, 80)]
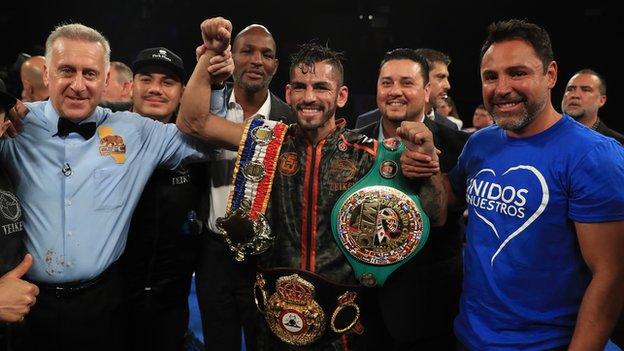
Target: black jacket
[(421, 298), (604, 130)]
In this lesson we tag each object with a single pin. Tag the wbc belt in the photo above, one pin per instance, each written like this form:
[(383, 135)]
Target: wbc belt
[(303, 308), (379, 223), (245, 228)]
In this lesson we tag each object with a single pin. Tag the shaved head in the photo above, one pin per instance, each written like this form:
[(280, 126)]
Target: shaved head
[(255, 61), (255, 29), (31, 74)]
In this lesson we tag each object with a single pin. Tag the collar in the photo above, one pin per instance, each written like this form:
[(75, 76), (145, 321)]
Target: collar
[(431, 114), (52, 117), (341, 124), (382, 137), (596, 124), (263, 111)]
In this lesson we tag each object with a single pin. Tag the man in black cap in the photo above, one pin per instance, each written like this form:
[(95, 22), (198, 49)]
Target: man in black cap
[(16, 295), (163, 241)]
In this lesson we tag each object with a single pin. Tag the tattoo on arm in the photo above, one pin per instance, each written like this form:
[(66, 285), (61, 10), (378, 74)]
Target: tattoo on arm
[(433, 197)]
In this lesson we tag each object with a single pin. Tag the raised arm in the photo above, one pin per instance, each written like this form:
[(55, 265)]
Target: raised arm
[(602, 245), (419, 142), (194, 116)]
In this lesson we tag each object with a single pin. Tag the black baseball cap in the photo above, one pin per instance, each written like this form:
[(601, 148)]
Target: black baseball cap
[(6, 100), (160, 56)]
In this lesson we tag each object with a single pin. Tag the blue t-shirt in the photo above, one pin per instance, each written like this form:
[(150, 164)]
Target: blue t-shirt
[(524, 274)]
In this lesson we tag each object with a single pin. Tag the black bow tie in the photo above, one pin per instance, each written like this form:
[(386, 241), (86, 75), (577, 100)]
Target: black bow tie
[(85, 129)]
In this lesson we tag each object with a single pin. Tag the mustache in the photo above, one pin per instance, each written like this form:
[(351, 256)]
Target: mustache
[(508, 99), (302, 105), (155, 97)]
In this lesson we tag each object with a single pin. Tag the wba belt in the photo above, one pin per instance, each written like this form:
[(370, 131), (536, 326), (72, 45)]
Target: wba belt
[(303, 308), (245, 228), (379, 223)]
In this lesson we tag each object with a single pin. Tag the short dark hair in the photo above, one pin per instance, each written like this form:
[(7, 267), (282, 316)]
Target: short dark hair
[(531, 33), (434, 56), (408, 54), (311, 53), (603, 84)]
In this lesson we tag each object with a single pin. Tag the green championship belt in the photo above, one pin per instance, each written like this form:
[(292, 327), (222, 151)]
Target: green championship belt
[(379, 223)]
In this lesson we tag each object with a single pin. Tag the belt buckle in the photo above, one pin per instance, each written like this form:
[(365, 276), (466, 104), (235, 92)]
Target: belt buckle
[(244, 235), (291, 312), (61, 292)]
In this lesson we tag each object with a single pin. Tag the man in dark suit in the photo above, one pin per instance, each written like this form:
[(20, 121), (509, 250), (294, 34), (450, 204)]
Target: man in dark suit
[(420, 299), (225, 286), (439, 87)]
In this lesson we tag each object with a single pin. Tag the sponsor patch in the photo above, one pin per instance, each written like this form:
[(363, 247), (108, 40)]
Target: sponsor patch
[(111, 144), (341, 174), (288, 164)]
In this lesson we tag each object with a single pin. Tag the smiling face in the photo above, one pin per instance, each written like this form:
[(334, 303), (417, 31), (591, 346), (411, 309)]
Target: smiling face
[(314, 94), (156, 93), (516, 91), (76, 77), (439, 81), (401, 92), (255, 64)]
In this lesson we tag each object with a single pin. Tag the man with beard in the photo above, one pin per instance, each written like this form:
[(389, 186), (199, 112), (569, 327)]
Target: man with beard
[(418, 316), (304, 188), (439, 86), (224, 285), (584, 95), (543, 262)]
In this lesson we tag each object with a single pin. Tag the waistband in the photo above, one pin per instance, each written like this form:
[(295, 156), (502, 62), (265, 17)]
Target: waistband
[(76, 287)]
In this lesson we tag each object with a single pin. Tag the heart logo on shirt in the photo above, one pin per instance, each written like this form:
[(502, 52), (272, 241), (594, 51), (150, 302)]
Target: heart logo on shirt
[(490, 192)]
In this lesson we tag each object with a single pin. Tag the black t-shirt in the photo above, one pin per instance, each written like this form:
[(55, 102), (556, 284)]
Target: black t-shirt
[(12, 248)]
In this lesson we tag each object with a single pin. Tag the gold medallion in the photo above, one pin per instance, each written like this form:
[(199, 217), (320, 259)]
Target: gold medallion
[(253, 171), (379, 225), (262, 134), (292, 313)]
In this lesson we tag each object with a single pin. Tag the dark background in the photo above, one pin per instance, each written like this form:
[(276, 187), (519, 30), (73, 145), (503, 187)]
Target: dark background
[(584, 35)]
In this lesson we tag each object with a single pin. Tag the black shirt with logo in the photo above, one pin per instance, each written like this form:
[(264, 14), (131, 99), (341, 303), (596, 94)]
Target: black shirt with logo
[(12, 247)]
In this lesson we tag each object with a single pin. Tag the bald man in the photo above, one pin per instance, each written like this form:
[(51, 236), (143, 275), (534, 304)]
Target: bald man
[(31, 74), (225, 286)]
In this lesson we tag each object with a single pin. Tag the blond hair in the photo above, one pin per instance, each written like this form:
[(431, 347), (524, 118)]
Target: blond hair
[(77, 31)]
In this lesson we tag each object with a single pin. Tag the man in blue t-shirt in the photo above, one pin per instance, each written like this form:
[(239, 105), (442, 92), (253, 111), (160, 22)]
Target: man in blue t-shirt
[(543, 262)]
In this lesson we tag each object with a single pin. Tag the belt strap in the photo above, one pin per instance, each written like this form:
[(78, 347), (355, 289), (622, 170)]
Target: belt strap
[(379, 223), (244, 227)]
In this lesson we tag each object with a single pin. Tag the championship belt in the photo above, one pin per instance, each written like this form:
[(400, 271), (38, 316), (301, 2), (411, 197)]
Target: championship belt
[(379, 223), (245, 228), (303, 304)]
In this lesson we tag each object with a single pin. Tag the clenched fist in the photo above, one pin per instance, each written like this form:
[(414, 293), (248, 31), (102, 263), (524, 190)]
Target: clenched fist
[(216, 34)]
